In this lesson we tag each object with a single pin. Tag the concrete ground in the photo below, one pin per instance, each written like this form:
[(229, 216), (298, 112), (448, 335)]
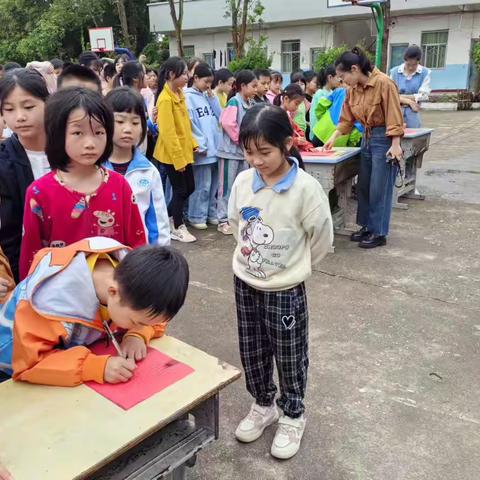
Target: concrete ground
[(393, 390)]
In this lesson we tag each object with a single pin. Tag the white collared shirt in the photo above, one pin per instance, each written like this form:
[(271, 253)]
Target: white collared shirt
[(425, 88)]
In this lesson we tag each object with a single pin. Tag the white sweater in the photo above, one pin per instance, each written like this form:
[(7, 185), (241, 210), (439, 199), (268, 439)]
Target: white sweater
[(280, 231)]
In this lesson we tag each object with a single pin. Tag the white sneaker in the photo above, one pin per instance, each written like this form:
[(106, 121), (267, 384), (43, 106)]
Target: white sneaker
[(257, 420), (225, 228), (182, 234), (288, 437), (213, 221), (199, 226)]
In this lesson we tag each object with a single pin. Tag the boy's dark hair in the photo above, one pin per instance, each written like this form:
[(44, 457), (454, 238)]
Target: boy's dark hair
[(175, 65), (262, 72), (293, 90), (323, 75), (11, 66), (266, 122), (222, 75), (243, 77), (57, 63), (57, 110), (153, 278), (413, 52), (109, 71), (128, 100), (297, 76), (309, 75), (131, 71), (356, 57), (27, 79), (203, 70), (82, 73), (87, 58)]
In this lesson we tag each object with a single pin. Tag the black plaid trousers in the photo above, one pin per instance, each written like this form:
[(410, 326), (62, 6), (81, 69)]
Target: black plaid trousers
[(274, 325)]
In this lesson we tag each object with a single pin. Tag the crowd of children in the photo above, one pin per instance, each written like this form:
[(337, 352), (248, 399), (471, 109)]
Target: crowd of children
[(101, 169)]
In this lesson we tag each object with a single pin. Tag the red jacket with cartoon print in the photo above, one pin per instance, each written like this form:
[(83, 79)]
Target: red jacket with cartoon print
[(56, 216), (56, 316)]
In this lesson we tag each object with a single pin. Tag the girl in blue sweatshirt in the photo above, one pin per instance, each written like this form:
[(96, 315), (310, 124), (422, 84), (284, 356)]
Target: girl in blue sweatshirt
[(204, 110)]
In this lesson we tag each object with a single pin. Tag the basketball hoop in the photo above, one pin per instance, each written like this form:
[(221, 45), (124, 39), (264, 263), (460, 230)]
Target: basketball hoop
[(101, 39)]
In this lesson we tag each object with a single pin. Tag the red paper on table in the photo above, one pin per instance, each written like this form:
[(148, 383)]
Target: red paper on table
[(319, 153), (156, 372)]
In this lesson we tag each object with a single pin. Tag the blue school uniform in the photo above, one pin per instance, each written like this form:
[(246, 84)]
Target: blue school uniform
[(204, 114), (418, 85)]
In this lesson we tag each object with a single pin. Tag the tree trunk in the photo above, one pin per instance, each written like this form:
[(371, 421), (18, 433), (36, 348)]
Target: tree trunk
[(386, 36), (234, 8), (122, 15), (177, 23), (243, 28)]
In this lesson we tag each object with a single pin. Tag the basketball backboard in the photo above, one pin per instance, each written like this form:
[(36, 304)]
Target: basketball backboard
[(337, 3), (346, 3), (101, 39)]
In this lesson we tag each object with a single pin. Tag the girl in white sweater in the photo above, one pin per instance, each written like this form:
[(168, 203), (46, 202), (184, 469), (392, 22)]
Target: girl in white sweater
[(281, 220)]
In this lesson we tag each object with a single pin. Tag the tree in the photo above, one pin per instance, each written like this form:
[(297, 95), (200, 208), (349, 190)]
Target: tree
[(43, 29), (122, 16), (256, 57), (177, 19), (244, 14)]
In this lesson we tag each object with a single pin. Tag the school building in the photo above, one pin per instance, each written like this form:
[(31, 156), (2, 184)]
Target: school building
[(298, 30)]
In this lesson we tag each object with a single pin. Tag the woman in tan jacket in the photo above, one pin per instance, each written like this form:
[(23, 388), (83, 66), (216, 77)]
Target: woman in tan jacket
[(373, 100)]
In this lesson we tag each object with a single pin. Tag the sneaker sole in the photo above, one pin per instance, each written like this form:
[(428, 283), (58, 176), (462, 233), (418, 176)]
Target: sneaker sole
[(258, 435), (284, 456), (182, 240), (199, 227)]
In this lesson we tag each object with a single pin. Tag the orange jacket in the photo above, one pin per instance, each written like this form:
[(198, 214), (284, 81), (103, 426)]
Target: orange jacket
[(48, 338), (6, 273)]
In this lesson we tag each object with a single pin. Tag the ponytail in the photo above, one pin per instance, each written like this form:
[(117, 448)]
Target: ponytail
[(323, 75), (292, 91), (243, 77), (356, 57)]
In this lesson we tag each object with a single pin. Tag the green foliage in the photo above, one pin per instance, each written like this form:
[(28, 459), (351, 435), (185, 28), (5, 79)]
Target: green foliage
[(156, 52), (328, 57), (476, 55), (43, 29), (256, 57)]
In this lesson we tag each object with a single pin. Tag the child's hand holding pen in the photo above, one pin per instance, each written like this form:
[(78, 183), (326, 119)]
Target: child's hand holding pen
[(119, 369)]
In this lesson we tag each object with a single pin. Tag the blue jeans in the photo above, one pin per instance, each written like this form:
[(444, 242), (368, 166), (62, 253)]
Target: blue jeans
[(202, 203), (376, 180), (228, 172)]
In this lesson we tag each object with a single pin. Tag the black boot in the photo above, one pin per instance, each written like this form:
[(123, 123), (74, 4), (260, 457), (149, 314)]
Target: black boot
[(360, 235), (373, 241)]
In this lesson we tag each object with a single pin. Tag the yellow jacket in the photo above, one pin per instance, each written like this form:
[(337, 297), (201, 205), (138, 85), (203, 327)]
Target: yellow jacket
[(175, 144)]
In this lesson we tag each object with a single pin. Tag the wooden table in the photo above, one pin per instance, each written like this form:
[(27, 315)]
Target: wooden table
[(414, 144), (336, 174), (59, 433)]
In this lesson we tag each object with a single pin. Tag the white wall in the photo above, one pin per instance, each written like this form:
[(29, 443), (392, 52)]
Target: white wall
[(461, 29), (310, 36)]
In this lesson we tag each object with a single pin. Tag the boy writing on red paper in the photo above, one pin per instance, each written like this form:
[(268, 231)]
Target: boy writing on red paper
[(53, 315)]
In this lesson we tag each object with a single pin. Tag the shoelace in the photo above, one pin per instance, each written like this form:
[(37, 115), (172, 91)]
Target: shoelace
[(254, 415), (288, 430)]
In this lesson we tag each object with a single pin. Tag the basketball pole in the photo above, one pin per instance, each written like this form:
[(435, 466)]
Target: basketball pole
[(378, 11)]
